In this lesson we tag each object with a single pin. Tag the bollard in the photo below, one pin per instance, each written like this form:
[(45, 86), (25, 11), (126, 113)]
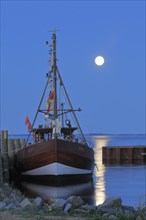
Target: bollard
[(4, 152)]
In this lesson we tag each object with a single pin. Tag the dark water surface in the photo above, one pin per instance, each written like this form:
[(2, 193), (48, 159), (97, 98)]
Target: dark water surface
[(126, 181)]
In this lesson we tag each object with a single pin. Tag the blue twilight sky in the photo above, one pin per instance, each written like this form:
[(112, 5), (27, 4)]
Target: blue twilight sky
[(112, 97)]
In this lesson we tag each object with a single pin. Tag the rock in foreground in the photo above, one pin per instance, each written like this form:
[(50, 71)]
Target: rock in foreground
[(14, 204)]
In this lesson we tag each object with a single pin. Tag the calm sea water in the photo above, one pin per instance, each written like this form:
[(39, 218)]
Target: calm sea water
[(126, 181), (129, 181)]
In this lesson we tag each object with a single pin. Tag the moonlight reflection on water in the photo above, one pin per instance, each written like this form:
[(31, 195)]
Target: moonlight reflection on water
[(126, 181)]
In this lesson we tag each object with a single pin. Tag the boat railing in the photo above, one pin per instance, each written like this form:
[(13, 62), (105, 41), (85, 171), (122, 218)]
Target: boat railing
[(79, 139), (73, 138)]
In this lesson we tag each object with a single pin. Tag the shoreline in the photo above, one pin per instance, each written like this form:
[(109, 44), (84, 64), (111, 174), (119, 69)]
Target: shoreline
[(14, 205)]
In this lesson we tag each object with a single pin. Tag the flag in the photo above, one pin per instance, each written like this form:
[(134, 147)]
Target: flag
[(51, 95), (27, 122), (50, 100), (50, 105)]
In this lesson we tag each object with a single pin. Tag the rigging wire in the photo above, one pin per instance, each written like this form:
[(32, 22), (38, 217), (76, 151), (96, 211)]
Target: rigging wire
[(71, 113), (37, 113), (71, 106)]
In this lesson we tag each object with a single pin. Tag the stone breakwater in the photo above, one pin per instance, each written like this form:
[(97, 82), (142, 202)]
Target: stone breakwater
[(14, 205)]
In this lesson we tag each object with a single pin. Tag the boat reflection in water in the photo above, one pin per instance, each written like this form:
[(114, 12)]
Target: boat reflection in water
[(93, 192), (46, 192)]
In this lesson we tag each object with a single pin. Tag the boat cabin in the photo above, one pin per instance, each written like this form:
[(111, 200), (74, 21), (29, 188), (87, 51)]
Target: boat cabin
[(44, 134)]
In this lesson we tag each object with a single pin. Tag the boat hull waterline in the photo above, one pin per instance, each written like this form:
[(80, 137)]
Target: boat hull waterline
[(56, 158)]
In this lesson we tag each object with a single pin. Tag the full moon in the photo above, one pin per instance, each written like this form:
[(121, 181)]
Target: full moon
[(99, 60)]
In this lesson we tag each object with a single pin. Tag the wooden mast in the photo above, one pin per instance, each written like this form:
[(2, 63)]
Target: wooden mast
[(55, 78)]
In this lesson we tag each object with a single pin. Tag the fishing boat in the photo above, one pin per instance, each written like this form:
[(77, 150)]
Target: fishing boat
[(59, 150)]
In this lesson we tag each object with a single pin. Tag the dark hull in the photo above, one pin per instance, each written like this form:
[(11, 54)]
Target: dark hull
[(60, 180), (56, 160)]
